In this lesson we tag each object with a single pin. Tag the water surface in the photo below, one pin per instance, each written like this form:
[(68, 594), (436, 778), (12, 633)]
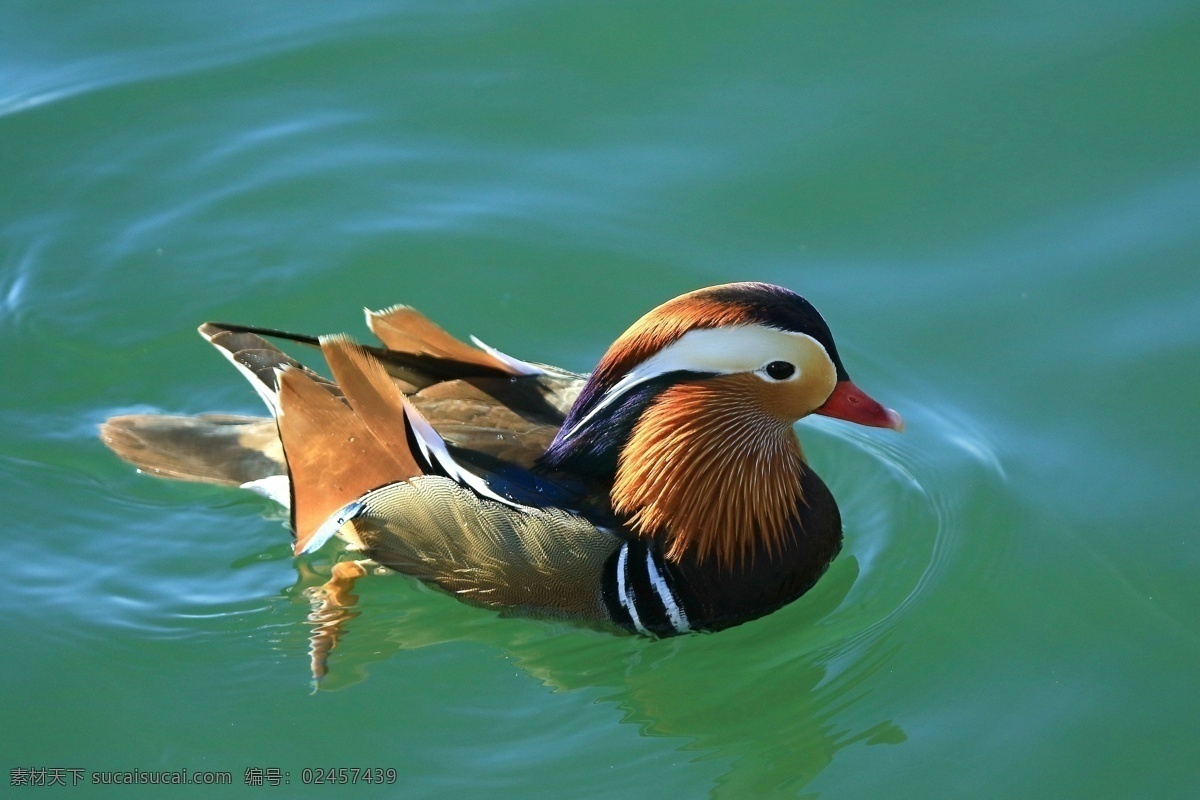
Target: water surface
[(994, 205)]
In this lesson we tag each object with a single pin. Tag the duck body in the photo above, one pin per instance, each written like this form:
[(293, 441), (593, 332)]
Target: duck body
[(664, 493)]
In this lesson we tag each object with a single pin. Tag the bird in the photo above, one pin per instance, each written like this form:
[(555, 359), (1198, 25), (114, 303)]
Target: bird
[(666, 492)]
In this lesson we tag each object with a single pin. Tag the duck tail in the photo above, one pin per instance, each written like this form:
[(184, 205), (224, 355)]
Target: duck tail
[(210, 448), (222, 449), (331, 441)]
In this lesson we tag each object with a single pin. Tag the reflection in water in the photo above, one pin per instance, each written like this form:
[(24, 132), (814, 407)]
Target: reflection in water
[(770, 700), (769, 703), (788, 738), (796, 697)]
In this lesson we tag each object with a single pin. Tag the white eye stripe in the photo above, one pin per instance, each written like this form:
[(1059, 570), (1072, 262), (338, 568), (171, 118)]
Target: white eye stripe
[(724, 351)]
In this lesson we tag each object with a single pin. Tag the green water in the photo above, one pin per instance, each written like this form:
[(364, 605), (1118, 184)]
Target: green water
[(995, 205)]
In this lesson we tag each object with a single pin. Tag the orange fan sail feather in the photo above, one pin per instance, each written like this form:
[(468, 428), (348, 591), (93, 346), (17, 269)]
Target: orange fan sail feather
[(333, 456)]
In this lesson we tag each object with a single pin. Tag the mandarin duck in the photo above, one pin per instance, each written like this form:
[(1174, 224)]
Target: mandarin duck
[(665, 492)]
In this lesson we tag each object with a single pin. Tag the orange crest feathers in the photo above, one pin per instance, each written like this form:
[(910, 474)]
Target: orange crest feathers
[(668, 323)]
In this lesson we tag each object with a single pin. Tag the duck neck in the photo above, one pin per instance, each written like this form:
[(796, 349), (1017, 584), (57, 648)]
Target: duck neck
[(711, 475)]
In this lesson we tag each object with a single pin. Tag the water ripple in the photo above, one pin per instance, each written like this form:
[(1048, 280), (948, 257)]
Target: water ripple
[(905, 502)]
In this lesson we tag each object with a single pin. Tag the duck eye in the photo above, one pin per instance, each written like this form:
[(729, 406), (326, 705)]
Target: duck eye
[(780, 370)]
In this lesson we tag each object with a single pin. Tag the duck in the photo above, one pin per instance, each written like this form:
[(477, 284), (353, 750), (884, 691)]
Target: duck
[(666, 492)]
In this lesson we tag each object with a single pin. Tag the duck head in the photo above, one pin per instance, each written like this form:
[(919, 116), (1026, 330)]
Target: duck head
[(690, 415)]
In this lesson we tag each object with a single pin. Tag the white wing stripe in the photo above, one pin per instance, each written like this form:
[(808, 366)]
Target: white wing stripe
[(433, 447), (515, 364), (332, 525)]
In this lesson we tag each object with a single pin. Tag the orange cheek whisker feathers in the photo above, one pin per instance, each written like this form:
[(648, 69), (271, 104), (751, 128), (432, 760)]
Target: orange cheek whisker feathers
[(711, 473)]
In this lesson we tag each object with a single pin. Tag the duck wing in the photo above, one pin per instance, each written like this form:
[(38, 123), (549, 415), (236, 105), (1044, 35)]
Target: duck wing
[(512, 419), (487, 417), (532, 561)]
